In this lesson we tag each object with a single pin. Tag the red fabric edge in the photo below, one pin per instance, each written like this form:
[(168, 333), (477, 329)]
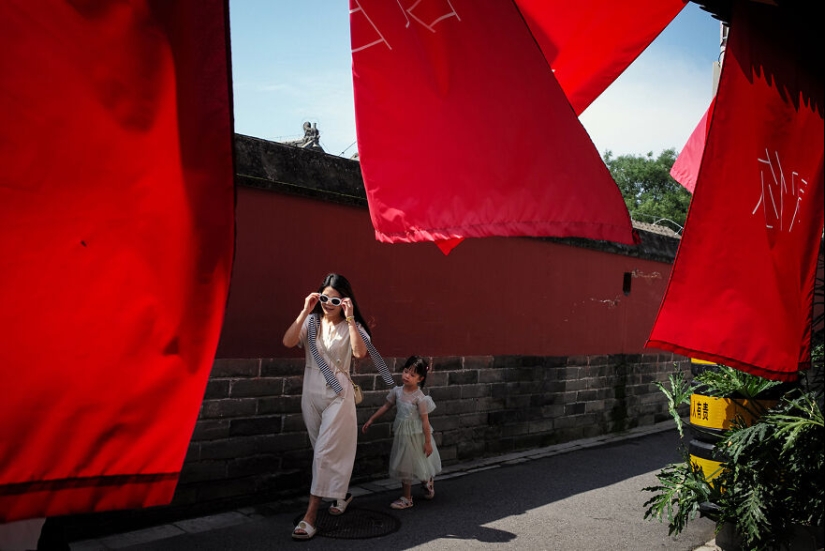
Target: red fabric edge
[(447, 245), (75, 496), (785, 376), (615, 234)]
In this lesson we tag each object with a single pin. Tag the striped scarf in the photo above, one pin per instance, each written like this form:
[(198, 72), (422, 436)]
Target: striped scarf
[(329, 375)]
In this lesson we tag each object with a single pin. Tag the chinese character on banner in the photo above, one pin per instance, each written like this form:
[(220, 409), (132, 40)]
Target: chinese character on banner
[(751, 240)]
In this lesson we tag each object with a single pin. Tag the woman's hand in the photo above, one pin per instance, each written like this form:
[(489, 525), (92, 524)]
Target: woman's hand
[(428, 449), (366, 426), (346, 304), (293, 333), (311, 301)]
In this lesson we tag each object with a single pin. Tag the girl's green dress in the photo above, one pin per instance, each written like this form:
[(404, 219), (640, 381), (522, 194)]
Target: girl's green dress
[(407, 459)]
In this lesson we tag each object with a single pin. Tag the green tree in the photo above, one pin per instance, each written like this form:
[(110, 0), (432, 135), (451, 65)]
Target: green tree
[(650, 192)]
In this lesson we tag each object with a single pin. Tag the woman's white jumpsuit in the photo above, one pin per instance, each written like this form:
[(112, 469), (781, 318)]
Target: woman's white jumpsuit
[(330, 418)]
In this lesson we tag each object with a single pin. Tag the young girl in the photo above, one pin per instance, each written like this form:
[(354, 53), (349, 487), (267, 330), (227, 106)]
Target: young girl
[(414, 455)]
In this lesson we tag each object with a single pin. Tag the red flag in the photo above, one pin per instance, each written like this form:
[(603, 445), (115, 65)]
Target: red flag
[(464, 132), (589, 43), (686, 168), (116, 233), (741, 289)]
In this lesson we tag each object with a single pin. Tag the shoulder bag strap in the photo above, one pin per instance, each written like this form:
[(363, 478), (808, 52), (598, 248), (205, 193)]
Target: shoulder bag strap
[(376, 358)]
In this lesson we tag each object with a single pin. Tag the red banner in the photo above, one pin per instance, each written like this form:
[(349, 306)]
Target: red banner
[(116, 233), (463, 131), (589, 43), (741, 289), (686, 168)]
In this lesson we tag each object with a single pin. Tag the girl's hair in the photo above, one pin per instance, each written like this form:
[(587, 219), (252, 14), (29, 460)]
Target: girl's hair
[(420, 366), (342, 285)]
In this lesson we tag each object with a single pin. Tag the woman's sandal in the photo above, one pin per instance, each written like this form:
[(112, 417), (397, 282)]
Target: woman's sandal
[(339, 507), (304, 531), (401, 503), (429, 489)]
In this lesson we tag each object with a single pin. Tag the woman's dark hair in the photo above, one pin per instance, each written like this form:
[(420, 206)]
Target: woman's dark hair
[(420, 366), (342, 285)]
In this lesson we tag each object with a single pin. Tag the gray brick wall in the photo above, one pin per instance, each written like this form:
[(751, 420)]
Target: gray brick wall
[(250, 445)]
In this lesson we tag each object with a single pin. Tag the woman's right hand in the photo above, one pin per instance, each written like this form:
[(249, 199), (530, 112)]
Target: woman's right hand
[(366, 426), (311, 301), (293, 333)]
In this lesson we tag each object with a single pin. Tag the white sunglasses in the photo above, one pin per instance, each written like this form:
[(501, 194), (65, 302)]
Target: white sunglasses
[(335, 301)]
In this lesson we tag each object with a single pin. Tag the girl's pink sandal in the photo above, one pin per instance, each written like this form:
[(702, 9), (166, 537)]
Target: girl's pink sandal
[(401, 503), (429, 489)]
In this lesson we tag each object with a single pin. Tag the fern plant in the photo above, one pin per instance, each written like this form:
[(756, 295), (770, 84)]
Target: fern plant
[(681, 491), (727, 382), (772, 479), (677, 395)]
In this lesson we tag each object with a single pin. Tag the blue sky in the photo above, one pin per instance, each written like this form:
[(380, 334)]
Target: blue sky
[(291, 63)]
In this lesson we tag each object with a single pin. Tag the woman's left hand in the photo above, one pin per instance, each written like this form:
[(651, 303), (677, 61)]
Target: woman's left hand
[(347, 305)]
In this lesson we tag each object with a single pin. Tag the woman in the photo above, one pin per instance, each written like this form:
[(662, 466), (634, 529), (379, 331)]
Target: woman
[(331, 330)]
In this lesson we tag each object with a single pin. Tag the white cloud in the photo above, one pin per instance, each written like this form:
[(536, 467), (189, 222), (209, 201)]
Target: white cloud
[(654, 105)]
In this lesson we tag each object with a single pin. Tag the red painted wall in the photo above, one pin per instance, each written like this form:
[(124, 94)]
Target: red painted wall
[(494, 296)]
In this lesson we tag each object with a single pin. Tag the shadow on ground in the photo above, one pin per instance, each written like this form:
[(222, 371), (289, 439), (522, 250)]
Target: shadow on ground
[(587, 499)]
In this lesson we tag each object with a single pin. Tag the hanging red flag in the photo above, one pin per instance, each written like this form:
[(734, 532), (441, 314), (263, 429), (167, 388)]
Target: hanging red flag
[(741, 289), (116, 232), (589, 43), (463, 131), (686, 168)]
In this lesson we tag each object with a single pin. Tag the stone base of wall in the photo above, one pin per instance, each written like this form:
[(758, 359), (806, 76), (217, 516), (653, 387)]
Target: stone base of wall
[(250, 442)]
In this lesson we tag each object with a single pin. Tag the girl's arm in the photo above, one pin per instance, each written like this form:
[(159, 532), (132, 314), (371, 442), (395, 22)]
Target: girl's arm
[(428, 444), (381, 411)]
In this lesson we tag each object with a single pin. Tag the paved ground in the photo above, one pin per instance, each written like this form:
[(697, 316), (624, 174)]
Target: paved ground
[(584, 495)]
